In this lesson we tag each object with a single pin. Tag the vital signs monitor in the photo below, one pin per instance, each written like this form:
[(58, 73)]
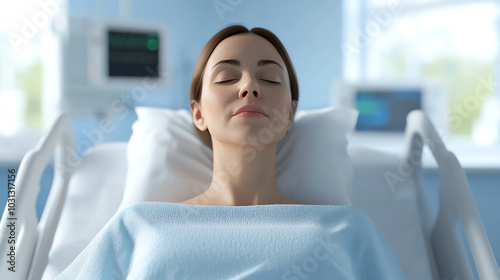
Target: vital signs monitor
[(92, 61)]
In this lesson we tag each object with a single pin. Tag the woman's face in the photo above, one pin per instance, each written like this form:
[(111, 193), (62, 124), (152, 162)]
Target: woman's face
[(245, 69)]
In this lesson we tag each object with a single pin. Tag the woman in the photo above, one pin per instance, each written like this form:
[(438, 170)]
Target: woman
[(238, 73), (243, 85)]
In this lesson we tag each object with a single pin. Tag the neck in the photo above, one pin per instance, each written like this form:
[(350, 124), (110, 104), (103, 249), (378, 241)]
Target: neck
[(243, 175)]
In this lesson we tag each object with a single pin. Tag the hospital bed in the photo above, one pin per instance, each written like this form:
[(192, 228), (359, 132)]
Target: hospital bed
[(87, 192)]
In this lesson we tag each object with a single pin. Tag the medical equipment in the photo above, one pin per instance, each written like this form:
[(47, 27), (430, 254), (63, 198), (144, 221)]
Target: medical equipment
[(383, 106), (90, 62), (386, 187)]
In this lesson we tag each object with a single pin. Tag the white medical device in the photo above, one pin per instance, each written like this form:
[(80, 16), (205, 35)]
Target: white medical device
[(383, 106), (91, 62)]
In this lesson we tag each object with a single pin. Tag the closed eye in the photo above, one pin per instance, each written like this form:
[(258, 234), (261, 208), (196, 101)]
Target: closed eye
[(222, 82), (267, 81), (271, 82)]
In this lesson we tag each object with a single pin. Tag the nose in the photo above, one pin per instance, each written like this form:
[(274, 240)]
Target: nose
[(250, 87)]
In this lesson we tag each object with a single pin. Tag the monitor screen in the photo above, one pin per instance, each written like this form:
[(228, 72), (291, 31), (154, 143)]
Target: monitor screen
[(133, 54), (386, 110)]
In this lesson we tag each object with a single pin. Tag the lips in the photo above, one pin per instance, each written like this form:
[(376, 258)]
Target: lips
[(251, 109)]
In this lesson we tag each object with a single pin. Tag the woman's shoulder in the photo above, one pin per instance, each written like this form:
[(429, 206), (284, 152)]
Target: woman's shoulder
[(193, 201), (198, 200)]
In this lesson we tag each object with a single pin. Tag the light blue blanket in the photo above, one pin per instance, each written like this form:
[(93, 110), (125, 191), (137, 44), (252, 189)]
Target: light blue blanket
[(160, 240)]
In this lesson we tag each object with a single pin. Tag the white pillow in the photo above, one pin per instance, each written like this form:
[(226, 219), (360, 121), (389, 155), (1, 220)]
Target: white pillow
[(168, 162)]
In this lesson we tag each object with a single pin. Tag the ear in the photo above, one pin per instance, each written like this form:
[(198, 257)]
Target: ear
[(291, 115), (198, 119)]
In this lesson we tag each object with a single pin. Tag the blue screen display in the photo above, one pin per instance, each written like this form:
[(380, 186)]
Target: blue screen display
[(386, 110)]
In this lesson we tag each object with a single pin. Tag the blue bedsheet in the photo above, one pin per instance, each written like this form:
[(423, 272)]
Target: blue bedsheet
[(160, 240)]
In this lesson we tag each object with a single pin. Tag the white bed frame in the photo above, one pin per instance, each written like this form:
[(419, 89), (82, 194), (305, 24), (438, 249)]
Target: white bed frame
[(447, 256), (455, 201)]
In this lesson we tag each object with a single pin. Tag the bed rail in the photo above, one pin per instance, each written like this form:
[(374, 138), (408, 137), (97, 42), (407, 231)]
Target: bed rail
[(33, 239), (455, 201)]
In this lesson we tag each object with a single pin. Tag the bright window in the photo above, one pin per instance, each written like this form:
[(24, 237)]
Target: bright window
[(453, 42), (21, 23)]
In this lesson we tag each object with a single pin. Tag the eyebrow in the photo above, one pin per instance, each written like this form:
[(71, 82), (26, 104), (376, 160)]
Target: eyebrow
[(236, 62)]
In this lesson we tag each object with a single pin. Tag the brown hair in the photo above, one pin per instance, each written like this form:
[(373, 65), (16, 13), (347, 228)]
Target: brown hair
[(206, 52)]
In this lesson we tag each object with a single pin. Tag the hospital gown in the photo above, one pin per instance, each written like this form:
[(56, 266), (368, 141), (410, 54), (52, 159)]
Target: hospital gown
[(161, 240)]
